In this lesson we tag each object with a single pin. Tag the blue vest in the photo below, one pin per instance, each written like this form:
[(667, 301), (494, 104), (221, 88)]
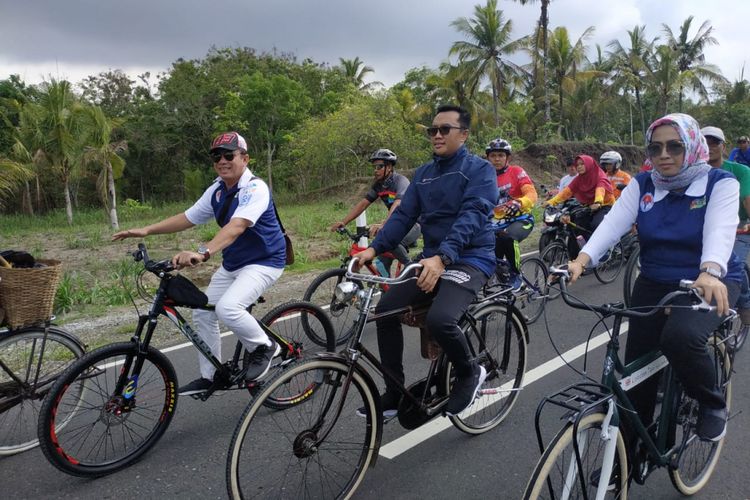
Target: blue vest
[(262, 243), (671, 232)]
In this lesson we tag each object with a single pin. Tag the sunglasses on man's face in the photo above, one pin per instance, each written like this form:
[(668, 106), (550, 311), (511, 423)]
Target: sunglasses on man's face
[(228, 155), (674, 148), (443, 129), (713, 141)]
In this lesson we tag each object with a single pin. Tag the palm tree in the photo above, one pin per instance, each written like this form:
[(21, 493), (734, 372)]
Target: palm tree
[(487, 45), (543, 31), (663, 77), (16, 170), (355, 71), (565, 61), (691, 62), (105, 154), (632, 65)]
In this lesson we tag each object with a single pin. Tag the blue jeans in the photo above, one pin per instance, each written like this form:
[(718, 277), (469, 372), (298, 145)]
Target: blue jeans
[(741, 250)]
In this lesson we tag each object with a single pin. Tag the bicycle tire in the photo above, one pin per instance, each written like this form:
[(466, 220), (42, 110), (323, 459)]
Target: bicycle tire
[(343, 316), (501, 388), (295, 321), (532, 297), (701, 456), (632, 271), (609, 269), (29, 377), (558, 463), (555, 254), (275, 454), (104, 415)]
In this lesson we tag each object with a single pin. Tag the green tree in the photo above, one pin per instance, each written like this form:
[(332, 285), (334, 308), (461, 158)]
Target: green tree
[(690, 59), (355, 70), (487, 46)]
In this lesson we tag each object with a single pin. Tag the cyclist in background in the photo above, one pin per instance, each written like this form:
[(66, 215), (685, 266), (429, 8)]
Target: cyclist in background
[(390, 187), (741, 154), (570, 166), (686, 213), (592, 188), (611, 161), (452, 196), (517, 196)]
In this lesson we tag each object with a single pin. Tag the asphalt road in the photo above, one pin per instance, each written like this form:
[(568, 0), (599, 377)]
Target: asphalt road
[(190, 460)]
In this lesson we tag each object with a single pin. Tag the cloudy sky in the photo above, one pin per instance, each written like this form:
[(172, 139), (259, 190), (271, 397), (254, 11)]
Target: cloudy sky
[(75, 38)]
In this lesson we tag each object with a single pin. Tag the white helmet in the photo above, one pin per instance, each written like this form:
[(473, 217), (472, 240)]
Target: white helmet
[(611, 157)]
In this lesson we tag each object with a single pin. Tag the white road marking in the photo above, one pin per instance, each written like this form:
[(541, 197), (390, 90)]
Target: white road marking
[(433, 427)]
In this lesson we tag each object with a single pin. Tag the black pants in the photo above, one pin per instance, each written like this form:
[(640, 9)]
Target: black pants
[(682, 337), (506, 242), (453, 293), (589, 221)]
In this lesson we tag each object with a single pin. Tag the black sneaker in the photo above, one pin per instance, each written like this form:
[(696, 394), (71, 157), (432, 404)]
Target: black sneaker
[(260, 361), (464, 392), (388, 403), (712, 424), (197, 386)]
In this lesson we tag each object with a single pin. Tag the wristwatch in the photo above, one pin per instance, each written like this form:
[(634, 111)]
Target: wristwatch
[(445, 259), (205, 252), (716, 273)]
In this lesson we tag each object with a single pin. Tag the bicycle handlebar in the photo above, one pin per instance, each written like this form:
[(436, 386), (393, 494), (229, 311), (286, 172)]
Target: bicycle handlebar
[(364, 232), (384, 280), (153, 266), (617, 308)]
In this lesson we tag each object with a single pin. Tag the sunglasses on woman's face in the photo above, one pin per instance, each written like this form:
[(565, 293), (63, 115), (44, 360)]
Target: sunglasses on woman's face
[(674, 148), (228, 155)]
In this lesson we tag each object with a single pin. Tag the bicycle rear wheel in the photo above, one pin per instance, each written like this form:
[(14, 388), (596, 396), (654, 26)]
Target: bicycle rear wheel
[(343, 315), (697, 459), (611, 264), (557, 474), (503, 354), (310, 450), (533, 294), (632, 271), (295, 323), (30, 361), (113, 417), (554, 255)]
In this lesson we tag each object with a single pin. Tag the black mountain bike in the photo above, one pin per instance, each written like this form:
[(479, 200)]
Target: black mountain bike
[(322, 448), (118, 400)]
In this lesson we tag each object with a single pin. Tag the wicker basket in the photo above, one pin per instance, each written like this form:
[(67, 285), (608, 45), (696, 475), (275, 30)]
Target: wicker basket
[(28, 294)]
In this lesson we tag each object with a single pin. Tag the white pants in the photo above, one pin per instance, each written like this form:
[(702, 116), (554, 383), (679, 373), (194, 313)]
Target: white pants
[(232, 292)]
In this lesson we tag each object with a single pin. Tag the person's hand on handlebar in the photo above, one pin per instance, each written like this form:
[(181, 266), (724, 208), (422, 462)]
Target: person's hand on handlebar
[(432, 269), (577, 265), (714, 292), (187, 258), (374, 228), (363, 257), (130, 233), (595, 206), (336, 225)]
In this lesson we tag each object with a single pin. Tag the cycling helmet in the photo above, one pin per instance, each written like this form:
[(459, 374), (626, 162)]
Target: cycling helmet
[(384, 154), (498, 145), (611, 157)]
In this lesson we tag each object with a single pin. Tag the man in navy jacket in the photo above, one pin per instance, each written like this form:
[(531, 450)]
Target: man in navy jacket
[(452, 198)]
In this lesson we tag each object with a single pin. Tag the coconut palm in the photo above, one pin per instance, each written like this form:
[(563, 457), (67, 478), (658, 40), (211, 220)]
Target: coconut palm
[(487, 46), (664, 77), (355, 71), (543, 32), (691, 62), (15, 171)]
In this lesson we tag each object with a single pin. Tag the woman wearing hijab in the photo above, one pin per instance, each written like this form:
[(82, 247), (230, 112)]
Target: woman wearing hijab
[(590, 187), (686, 213)]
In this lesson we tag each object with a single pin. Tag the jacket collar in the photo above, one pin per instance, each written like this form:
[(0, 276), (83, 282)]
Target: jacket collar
[(444, 160)]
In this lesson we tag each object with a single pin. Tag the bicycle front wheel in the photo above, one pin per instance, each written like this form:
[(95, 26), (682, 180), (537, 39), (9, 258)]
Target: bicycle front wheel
[(294, 326), (113, 415), (697, 459), (554, 255), (502, 352), (557, 474), (611, 264), (343, 315), (319, 448), (30, 362), (533, 294), (632, 271)]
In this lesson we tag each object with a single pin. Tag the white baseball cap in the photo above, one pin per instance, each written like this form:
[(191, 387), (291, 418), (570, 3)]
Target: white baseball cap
[(713, 132)]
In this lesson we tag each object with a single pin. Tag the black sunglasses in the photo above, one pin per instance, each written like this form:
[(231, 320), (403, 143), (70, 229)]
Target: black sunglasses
[(228, 155), (713, 141), (443, 129), (378, 166), (674, 148)]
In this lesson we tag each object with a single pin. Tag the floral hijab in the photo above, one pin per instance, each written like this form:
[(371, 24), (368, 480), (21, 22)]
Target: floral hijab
[(584, 185), (695, 163)]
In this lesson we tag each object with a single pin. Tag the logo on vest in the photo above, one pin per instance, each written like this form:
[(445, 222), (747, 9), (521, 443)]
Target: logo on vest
[(698, 203), (647, 202), (245, 198), (217, 195)]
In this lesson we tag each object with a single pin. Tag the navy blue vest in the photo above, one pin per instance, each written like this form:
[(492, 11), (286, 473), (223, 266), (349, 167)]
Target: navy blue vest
[(671, 232)]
